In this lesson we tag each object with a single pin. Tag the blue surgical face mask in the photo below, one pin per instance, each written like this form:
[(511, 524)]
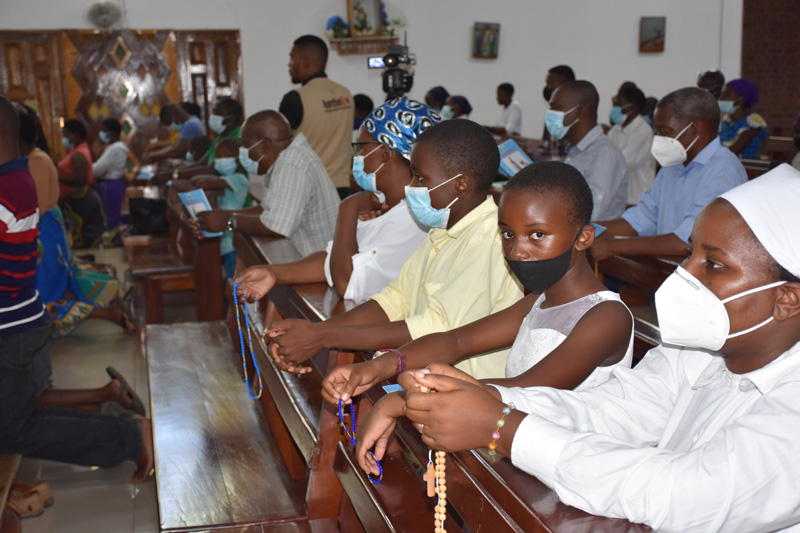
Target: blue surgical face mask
[(727, 107), (103, 136), (419, 201), (215, 122), (365, 181), (176, 127), (617, 116), (247, 163), (66, 143), (225, 166), (554, 122), (446, 112)]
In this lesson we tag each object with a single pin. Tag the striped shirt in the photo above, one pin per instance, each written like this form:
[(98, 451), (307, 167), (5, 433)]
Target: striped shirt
[(20, 305)]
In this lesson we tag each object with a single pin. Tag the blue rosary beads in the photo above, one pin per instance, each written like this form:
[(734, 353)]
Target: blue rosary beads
[(351, 434), (250, 344)]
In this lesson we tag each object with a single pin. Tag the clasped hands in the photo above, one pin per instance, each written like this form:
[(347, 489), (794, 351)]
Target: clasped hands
[(459, 414), (292, 341)]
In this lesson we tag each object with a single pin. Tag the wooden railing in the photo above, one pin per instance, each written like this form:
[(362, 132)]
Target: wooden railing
[(482, 496)]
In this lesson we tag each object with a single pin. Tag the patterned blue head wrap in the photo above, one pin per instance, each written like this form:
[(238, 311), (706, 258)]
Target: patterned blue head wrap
[(398, 123)]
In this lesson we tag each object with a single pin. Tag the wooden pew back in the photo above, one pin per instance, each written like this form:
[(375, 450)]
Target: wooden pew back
[(497, 497)]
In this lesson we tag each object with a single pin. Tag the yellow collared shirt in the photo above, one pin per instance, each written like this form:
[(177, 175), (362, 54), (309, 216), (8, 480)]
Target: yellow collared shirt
[(456, 276)]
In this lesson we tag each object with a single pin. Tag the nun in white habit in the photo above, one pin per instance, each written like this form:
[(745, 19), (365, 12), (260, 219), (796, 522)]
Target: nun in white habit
[(704, 433)]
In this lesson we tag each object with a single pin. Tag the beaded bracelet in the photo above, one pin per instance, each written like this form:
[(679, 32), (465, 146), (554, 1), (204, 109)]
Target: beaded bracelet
[(496, 435), (351, 434)]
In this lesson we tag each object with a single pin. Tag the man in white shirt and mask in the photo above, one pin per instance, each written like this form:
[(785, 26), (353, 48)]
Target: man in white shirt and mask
[(702, 434)]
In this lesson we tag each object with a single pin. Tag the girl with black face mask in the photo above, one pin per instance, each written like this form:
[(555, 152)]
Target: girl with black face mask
[(569, 332)]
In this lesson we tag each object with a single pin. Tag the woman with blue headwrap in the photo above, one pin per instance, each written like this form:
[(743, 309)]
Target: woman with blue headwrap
[(740, 130), (375, 230)]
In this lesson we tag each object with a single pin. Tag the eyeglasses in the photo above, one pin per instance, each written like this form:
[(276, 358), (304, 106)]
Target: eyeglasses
[(356, 147)]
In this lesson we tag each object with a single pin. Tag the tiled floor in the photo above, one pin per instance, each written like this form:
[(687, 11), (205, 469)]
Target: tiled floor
[(92, 500)]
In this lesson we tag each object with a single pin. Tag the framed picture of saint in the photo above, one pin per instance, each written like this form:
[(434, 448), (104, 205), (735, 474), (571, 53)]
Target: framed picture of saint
[(485, 40)]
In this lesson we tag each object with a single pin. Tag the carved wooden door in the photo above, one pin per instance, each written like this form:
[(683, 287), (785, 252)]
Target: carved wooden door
[(123, 74), (210, 65), (30, 72)]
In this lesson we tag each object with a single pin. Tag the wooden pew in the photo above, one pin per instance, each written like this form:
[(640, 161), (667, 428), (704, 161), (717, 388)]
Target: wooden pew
[(644, 271), (217, 465), (481, 496), (756, 167), (177, 262), (778, 149)]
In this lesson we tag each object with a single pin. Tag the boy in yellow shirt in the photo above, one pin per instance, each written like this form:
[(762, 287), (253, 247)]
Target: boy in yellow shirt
[(456, 276)]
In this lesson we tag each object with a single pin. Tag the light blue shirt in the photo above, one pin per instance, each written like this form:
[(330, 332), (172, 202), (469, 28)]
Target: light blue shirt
[(681, 191), (232, 199), (603, 166), (192, 128)]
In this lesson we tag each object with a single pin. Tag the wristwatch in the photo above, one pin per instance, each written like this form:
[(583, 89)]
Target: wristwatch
[(232, 223)]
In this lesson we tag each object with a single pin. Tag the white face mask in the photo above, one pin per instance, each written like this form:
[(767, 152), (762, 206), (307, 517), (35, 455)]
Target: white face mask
[(669, 151), (690, 315)]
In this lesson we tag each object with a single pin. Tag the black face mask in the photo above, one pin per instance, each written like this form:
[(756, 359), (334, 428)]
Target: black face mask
[(547, 93), (538, 276)]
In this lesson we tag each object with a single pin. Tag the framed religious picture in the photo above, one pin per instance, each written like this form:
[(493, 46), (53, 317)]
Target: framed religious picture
[(651, 34), (485, 40)]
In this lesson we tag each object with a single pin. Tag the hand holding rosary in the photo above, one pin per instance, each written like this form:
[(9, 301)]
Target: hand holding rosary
[(249, 342), (351, 434)]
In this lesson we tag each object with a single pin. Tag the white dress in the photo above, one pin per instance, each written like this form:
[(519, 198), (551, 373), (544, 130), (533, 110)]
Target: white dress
[(543, 330)]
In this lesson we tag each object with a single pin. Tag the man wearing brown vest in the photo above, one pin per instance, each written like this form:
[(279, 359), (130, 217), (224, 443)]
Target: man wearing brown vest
[(320, 109)]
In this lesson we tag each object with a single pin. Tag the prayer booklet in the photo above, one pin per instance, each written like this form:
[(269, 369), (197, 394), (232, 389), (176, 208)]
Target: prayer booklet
[(512, 158), (598, 229), (196, 202)]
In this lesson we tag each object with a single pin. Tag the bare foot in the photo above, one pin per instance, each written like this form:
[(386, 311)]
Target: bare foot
[(114, 388), (145, 462)]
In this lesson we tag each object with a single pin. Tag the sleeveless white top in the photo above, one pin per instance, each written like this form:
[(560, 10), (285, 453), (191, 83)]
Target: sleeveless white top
[(543, 330)]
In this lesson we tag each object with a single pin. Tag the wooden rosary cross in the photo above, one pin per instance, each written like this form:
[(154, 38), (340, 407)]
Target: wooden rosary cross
[(437, 484)]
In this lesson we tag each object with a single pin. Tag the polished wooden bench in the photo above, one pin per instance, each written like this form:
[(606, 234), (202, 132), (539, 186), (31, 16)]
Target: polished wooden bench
[(756, 167), (177, 262), (217, 464), (9, 465), (482, 496), (644, 271)]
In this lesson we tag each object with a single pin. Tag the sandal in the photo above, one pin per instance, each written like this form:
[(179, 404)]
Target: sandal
[(26, 504), (125, 319), (43, 488), (126, 392)]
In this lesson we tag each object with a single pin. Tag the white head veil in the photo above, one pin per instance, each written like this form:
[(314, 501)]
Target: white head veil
[(770, 204)]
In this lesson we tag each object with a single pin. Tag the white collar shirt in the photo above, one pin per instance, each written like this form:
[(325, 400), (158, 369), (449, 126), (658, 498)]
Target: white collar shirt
[(678, 443), (602, 165), (511, 118), (635, 141)]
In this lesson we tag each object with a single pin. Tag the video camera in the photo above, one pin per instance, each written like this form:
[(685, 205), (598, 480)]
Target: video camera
[(398, 73)]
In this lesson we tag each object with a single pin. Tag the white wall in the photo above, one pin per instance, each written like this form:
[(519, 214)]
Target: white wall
[(599, 39)]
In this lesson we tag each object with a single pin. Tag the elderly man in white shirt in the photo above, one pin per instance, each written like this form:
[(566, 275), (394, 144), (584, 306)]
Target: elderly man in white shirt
[(702, 434), (634, 136), (510, 121), (375, 229)]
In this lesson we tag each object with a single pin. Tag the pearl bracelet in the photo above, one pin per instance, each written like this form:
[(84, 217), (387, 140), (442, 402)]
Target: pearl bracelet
[(496, 435)]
